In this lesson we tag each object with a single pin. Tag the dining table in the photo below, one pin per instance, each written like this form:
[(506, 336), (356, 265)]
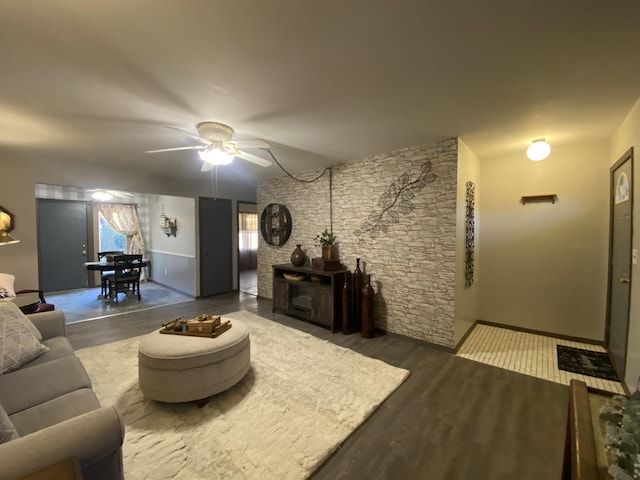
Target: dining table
[(104, 266)]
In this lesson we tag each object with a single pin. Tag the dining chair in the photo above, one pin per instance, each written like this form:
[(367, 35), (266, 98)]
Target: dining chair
[(125, 277), (103, 275)]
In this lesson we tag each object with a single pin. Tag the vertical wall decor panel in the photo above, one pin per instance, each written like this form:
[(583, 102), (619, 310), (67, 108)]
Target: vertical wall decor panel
[(397, 213)]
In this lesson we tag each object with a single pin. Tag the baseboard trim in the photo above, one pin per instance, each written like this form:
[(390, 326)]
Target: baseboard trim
[(171, 288), (465, 336), (416, 341), (543, 333)]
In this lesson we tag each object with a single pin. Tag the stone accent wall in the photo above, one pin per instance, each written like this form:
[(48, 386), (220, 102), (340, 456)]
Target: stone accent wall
[(412, 263)]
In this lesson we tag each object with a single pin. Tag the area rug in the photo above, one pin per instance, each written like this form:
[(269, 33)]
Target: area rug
[(586, 362), (300, 400)]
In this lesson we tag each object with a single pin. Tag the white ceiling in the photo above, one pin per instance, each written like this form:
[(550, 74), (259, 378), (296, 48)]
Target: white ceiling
[(322, 82)]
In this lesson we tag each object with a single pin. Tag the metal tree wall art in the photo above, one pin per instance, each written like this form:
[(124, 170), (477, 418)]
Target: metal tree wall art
[(396, 200), (470, 235)]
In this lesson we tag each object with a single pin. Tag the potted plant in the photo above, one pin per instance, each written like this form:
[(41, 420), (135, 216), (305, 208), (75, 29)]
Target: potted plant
[(326, 240)]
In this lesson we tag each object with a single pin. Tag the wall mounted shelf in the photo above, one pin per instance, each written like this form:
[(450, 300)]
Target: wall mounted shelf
[(538, 198), (275, 224)]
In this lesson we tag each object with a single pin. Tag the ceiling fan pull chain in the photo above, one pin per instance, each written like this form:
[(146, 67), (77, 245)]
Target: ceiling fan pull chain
[(214, 183)]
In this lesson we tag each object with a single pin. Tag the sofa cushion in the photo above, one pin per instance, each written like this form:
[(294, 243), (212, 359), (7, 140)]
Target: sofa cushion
[(7, 429), (54, 411), (18, 344), (11, 310), (32, 386)]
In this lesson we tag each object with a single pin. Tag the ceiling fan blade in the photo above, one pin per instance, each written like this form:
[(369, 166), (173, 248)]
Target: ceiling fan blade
[(206, 166), (249, 157), (196, 137), (191, 147), (251, 144)]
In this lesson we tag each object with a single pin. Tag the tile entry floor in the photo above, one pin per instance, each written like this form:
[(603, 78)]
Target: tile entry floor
[(527, 353)]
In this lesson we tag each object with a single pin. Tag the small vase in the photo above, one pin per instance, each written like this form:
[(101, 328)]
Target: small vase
[(327, 252), (298, 257), (367, 329)]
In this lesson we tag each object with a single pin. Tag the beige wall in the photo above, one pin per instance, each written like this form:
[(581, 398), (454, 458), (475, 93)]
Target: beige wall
[(182, 209), (544, 266), (467, 299), (628, 135), (19, 176), (173, 259)]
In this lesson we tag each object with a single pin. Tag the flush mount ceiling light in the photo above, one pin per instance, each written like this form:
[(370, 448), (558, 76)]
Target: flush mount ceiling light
[(538, 150), (101, 195)]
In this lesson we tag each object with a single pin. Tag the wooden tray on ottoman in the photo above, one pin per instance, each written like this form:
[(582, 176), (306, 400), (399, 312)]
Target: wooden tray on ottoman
[(209, 330)]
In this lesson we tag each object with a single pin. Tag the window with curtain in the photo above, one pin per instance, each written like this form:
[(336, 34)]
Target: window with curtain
[(123, 219), (108, 238), (248, 240)]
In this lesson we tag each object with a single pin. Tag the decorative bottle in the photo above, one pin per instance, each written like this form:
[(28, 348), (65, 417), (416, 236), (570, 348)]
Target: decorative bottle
[(347, 311), (298, 257), (357, 296), (367, 328)]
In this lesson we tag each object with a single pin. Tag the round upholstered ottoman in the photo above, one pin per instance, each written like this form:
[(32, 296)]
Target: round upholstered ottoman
[(182, 368)]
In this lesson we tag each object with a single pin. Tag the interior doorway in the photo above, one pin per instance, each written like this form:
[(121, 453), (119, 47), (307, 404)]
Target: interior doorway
[(216, 246), (248, 248), (620, 256)]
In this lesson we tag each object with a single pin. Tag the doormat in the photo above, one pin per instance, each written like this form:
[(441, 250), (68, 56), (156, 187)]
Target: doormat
[(586, 362)]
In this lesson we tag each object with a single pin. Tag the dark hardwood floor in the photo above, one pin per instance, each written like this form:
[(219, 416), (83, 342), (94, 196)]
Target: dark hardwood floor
[(451, 419)]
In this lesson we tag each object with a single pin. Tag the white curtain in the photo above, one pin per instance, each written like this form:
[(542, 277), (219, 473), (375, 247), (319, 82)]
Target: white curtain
[(124, 219), (248, 240)]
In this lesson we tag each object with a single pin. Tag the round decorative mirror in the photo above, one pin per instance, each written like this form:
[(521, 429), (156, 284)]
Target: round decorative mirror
[(275, 224)]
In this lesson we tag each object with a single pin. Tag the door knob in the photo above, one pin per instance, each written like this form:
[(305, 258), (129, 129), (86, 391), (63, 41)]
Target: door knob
[(624, 280)]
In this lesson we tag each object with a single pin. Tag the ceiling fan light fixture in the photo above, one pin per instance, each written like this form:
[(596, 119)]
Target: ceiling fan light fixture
[(101, 195), (215, 156), (538, 150)]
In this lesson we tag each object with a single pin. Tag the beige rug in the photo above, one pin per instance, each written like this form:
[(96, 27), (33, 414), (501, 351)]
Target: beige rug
[(300, 400)]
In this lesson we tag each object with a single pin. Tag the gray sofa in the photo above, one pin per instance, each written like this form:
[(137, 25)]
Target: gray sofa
[(55, 413)]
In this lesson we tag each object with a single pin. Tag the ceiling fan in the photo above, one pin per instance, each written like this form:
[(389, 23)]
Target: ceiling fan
[(217, 147)]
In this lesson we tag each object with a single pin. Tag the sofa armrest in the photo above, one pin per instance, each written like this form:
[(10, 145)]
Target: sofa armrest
[(50, 324), (90, 437)]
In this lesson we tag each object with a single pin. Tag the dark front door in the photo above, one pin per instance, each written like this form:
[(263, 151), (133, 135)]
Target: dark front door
[(216, 246), (62, 244), (620, 261)]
